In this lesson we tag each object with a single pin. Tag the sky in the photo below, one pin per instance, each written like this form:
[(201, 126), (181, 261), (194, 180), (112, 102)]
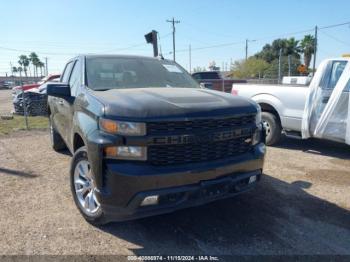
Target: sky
[(216, 30)]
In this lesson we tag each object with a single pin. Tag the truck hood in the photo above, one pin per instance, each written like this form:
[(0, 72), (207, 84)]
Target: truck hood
[(141, 103)]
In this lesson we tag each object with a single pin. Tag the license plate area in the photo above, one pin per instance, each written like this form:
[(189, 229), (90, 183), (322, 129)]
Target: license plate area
[(212, 189)]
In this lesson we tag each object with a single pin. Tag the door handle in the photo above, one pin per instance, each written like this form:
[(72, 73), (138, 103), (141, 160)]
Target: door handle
[(60, 102)]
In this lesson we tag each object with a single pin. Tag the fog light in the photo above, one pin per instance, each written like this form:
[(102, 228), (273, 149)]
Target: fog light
[(150, 200), (126, 152), (252, 179)]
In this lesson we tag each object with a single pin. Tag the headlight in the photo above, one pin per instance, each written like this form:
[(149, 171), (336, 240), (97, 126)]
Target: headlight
[(122, 128), (126, 152)]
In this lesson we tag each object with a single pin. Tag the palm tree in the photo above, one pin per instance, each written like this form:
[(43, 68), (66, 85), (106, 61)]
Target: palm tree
[(41, 66), (292, 47), (14, 70), (24, 62), (34, 59), (20, 69), (307, 46)]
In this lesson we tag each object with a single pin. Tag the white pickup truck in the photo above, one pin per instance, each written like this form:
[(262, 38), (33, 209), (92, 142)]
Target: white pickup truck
[(296, 109)]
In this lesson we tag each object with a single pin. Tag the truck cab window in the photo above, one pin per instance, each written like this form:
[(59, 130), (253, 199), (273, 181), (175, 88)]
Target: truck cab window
[(334, 74), (66, 73), (75, 78), (347, 87)]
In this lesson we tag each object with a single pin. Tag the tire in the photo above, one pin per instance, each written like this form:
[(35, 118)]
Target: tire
[(83, 189), (57, 142), (273, 128)]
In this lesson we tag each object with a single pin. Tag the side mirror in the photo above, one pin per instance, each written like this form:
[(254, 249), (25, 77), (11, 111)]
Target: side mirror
[(58, 89)]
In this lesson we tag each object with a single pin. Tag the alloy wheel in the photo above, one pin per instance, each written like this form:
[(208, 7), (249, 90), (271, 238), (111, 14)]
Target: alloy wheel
[(85, 188), (267, 127)]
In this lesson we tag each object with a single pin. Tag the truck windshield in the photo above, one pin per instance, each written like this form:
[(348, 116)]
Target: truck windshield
[(103, 73)]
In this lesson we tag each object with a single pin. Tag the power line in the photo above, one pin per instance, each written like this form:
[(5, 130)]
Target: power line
[(186, 50), (125, 48), (136, 45), (334, 25), (335, 38), (40, 52), (209, 47), (242, 42), (268, 37), (286, 34)]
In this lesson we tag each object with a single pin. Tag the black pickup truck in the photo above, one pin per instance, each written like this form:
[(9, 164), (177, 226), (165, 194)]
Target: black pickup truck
[(146, 139)]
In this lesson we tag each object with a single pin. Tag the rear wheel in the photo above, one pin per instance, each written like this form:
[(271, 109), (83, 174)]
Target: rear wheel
[(273, 128), (83, 188), (57, 142)]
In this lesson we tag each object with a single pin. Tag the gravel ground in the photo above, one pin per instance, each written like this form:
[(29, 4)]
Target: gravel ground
[(302, 206)]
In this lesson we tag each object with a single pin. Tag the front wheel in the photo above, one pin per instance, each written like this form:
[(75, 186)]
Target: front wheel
[(273, 128), (84, 189)]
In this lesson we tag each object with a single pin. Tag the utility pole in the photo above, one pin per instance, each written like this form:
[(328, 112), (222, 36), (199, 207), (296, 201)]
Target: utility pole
[(279, 66), (246, 47), (190, 58), (173, 21), (46, 68), (289, 64), (315, 51), (12, 73), (24, 102)]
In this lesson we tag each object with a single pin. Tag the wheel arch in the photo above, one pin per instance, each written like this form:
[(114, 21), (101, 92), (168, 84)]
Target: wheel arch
[(265, 107), (269, 103), (78, 141)]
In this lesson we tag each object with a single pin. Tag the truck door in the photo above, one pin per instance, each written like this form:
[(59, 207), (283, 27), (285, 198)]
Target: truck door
[(75, 82), (330, 112), (58, 116), (67, 107)]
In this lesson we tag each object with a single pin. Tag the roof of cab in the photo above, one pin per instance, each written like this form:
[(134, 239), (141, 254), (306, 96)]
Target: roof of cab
[(120, 56)]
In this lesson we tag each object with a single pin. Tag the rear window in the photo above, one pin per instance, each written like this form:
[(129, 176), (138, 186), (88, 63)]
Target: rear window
[(207, 75)]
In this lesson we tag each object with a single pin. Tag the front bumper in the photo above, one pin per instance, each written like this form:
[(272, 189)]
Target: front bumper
[(126, 184)]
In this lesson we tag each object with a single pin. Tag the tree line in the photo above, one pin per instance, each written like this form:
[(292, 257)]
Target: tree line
[(265, 63), (29, 63)]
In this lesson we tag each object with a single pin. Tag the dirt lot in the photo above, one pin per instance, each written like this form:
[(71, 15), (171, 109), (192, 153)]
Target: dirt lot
[(302, 206)]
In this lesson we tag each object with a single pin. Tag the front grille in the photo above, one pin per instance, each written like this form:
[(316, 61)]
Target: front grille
[(191, 153), (155, 128)]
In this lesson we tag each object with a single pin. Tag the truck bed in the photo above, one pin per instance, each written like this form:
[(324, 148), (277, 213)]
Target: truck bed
[(287, 100)]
